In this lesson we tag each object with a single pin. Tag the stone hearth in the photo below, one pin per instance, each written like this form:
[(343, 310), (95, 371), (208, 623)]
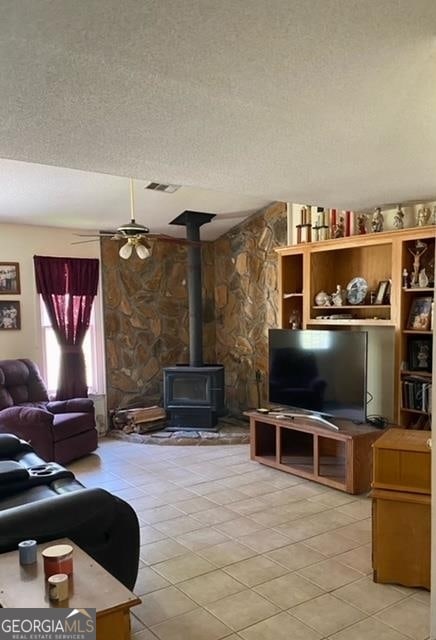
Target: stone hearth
[(230, 430)]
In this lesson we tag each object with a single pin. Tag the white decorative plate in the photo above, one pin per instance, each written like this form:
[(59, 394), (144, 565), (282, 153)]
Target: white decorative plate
[(357, 289)]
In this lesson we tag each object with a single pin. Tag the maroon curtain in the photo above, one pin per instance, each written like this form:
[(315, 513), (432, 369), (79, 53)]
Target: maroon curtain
[(68, 287)]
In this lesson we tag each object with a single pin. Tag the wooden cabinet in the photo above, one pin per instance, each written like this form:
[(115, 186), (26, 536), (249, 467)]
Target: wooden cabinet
[(306, 269), (401, 501), (339, 459)]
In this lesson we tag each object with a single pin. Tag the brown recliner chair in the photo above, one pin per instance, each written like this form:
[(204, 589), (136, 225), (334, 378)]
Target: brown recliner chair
[(58, 431)]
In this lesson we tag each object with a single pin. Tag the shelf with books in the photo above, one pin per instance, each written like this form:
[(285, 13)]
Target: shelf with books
[(416, 394)]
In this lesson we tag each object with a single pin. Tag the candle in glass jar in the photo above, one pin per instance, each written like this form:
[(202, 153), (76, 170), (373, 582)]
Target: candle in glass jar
[(58, 559)]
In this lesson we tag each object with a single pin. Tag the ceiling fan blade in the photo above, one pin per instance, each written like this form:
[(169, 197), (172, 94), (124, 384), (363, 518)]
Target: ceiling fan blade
[(84, 241), (165, 238), (95, 235)]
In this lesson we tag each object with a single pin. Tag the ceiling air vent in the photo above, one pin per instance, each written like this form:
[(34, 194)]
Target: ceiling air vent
[(166, 188)]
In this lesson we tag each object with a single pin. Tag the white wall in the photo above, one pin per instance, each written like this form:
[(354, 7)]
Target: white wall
[(381, 349), (19, 243)]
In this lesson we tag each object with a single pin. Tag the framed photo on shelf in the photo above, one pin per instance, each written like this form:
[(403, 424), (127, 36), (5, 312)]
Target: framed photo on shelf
[(10, 317), (420, 314), (382, 292), (9, 278), (420, 355)]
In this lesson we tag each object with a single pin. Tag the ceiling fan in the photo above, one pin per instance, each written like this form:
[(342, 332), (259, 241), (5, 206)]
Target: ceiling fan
[(134, 234)]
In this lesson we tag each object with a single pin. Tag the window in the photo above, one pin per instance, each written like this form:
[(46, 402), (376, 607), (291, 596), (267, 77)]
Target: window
[(92, 350)]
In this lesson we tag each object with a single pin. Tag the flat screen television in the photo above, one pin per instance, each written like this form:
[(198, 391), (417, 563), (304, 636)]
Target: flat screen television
[(322, 372)]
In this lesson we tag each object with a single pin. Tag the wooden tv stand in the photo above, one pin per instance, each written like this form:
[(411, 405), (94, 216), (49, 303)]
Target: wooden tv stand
[(340, 459)]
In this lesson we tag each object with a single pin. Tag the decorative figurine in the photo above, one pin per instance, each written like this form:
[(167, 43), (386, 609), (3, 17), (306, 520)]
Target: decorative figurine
[(361, 223), (322, 299), (339, 228), (399, 218), (338, 296), (423, 356), (405, 279), (423, 216), (420, 248), (377, 221), (423, 279), (294, 319)]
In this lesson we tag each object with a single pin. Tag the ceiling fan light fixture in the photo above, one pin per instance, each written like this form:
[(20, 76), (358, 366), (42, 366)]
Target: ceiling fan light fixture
[(142, 251), (125, 251)]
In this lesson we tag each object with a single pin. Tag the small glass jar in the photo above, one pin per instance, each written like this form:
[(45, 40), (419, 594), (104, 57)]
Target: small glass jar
[(58, 559), (58, 587)]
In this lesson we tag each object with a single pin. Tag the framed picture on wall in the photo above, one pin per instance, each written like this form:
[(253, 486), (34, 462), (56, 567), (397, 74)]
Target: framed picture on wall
[(9, 278), (10, 317)]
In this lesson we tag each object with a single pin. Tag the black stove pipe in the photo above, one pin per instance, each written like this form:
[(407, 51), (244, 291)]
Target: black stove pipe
[(193, 220)]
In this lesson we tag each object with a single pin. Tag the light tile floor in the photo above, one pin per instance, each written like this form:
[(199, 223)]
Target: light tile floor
[(232, 549)]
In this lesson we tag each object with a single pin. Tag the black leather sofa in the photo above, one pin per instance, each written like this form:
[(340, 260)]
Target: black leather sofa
[(43, 501)]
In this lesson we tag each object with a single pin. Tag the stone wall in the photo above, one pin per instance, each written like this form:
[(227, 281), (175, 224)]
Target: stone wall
[(146, 319), (146, 311), (246, 301)]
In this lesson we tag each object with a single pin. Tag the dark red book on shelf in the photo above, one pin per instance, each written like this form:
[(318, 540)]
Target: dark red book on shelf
[(332, 218), (347, 222)]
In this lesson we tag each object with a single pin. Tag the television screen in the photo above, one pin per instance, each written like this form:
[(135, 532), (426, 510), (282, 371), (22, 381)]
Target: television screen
[(319, 371)]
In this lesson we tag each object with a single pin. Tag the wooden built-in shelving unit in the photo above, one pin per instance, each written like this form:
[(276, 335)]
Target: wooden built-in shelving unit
[(306, 269)]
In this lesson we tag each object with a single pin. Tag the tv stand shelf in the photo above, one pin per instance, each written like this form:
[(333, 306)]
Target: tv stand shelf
[(339, 459)]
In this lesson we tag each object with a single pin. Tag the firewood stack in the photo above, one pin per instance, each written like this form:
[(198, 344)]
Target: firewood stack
[(139, 420)]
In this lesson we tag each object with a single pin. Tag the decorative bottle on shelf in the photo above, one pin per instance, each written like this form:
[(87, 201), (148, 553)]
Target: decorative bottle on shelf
[(294, 319), (323, 228), (423, 279)]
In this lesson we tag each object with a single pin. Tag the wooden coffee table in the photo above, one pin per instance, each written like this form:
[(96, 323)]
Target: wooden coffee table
[(90, 586)]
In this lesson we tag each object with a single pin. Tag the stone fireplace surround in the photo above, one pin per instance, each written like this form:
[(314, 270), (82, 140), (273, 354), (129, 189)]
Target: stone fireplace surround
[(145, 310)]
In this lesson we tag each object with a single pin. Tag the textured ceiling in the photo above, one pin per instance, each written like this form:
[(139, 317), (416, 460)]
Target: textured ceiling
[(39, 194), (321, 101)]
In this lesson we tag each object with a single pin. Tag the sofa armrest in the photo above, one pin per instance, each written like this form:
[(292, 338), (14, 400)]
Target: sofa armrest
[(18, 418), (101, 524), (10, 446), (75, 405), (31, 424)]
